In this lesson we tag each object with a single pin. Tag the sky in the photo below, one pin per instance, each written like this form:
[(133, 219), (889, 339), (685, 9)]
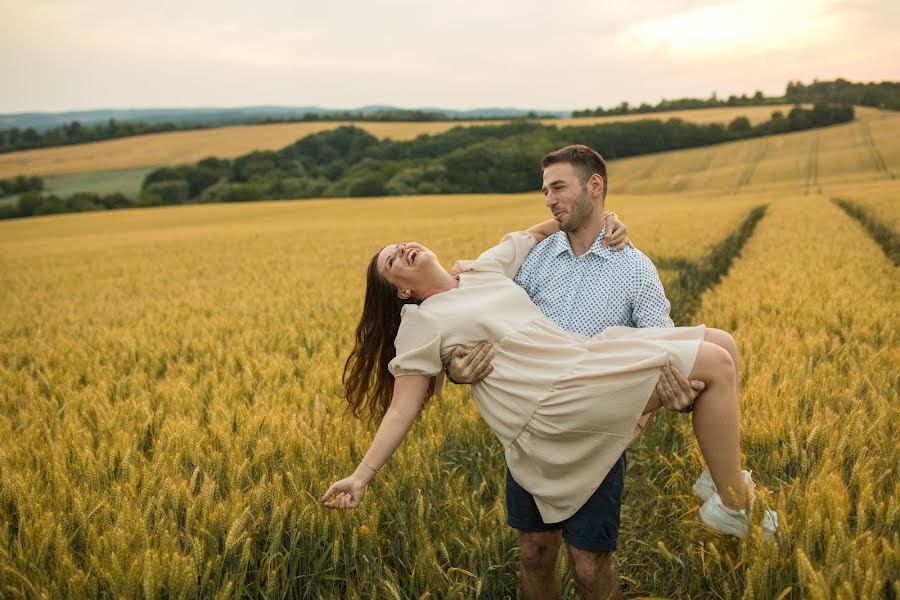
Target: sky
[(60, 55)]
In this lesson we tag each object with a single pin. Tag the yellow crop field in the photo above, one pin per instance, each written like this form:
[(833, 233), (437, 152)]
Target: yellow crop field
[(756, 114), (179, 147), (866, 149), (170, 412), (881, 199), (169, 380)]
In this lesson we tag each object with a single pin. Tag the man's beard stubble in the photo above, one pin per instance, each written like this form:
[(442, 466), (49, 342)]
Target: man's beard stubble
[(580, 214)]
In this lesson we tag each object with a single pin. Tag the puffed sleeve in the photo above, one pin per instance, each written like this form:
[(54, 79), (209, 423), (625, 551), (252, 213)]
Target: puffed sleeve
[(506, 257), (418, 344)]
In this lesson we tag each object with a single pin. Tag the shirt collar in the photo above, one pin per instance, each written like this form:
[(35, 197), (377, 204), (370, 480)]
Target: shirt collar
[(597, 248)]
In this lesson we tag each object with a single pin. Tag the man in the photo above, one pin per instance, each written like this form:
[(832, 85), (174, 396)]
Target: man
[(585, 287)]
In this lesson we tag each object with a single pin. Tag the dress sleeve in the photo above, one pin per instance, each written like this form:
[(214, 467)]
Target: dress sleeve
[(506, 257), (418, 345)]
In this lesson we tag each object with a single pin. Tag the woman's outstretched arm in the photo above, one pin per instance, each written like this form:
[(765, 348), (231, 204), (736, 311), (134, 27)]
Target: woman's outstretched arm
[(616, 231), (409, 395), (543, 230)]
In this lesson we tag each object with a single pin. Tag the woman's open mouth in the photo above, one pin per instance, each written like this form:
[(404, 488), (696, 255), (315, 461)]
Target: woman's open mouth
[(411, 257)]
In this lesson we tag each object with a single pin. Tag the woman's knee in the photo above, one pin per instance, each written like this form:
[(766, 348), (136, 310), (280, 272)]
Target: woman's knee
[(722, 338), (713, 362)]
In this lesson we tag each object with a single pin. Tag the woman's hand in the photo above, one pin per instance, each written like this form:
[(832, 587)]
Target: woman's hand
[(345, 493), (616, 233)]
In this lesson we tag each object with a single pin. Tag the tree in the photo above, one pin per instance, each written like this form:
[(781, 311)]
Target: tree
[(170, 192), (740, 126)]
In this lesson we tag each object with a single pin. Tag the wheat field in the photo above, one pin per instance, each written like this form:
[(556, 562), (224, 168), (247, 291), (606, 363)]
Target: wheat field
[(177, 147), (170, 413), (867, 149)]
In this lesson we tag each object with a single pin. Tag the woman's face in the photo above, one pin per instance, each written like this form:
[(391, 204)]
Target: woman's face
[(406, 266)]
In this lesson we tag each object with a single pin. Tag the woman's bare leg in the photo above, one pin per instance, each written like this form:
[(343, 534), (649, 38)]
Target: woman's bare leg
[(723, 339), (716, 421), (716, 418)]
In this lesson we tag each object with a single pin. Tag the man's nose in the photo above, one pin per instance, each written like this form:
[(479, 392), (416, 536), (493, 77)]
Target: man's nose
[(550, 200)]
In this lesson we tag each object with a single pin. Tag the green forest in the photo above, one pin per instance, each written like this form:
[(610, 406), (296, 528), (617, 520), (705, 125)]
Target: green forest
[(350, 162)]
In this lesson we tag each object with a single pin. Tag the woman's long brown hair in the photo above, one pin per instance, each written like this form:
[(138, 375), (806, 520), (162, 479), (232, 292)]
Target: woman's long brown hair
[(368, 385)]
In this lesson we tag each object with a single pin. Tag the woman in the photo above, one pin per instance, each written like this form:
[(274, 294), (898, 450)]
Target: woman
[(564, 406)]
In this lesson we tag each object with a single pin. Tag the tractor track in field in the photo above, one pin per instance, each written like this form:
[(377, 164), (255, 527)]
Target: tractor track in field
[(874, 154), (884, 236), (695, 277), (747, 175), (812, 165)]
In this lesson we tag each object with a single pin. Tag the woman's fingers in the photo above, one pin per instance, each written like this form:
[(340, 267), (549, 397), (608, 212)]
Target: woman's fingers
[(626, 243), (342, 500), (616, 235), (331, 490)]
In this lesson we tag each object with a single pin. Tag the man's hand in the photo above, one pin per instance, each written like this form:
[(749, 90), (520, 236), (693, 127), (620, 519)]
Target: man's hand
[(616, 233), (471, 365), (674, 391)]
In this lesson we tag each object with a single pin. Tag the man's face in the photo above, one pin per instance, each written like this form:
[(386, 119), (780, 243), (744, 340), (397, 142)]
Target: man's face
[(567, 197)]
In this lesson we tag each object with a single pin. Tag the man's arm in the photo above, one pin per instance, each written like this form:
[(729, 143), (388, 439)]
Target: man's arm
[(651, 309)]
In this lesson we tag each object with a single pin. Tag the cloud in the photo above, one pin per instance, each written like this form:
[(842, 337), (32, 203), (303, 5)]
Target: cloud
[(736, 29), (60, 54)]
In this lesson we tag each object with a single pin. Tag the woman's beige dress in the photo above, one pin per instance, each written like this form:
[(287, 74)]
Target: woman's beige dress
[(564, 406)]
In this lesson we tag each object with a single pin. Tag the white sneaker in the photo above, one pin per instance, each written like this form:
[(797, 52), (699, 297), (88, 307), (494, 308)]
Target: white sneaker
[(735, 522), (706, 487)]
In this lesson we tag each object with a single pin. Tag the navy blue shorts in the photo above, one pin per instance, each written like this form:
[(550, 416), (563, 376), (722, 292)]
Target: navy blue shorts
[(594, 527)]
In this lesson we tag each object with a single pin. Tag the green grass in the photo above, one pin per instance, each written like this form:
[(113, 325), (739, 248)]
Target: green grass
[(126, 181)]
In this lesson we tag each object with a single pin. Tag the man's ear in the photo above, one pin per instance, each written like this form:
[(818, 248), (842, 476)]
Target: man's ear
[(596, 183), (404, 294)]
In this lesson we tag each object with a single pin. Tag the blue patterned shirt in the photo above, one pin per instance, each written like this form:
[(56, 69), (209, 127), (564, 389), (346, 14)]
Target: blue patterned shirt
[(599, 289)]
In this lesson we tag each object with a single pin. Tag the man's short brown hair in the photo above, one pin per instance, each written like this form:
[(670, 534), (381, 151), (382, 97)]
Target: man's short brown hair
[(586, 161)]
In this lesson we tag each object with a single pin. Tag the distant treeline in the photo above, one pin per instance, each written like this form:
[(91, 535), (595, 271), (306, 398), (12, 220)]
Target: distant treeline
[(12, 140), (76, 133), (713, 101), (884, 95), (400, 116), (20, 185), (348, 161)]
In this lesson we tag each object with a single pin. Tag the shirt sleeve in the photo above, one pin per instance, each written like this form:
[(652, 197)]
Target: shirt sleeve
[(651, 307), (506, 257), (418, 345)]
